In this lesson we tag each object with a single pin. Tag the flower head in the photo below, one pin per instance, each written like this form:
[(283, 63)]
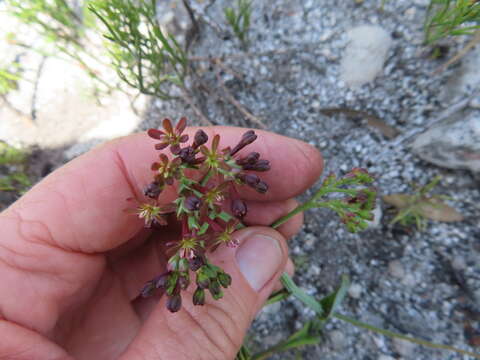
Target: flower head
[(170, 136)]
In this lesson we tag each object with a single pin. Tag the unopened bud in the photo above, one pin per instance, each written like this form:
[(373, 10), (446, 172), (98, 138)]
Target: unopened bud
[(199, 297), (200, 138), (261, 187), (192, 203), (174, 303), (153, 190), (251, 158), (224, 279), (260, 165), (239, 208)]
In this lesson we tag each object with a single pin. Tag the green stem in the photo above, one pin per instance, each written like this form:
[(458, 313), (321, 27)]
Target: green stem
[(298, 209), (403, 337), (308, 300), (207, 177)]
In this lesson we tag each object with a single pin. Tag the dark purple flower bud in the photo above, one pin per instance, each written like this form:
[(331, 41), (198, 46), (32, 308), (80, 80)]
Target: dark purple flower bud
[(187, 154), (192, 203), (239, 208), (261, 187), (153, 190), (260, 165), (199, 297), (224, 279), (183, 138), (174, 303), (247, 139), (184, 281), (162, 280), (175, 149), (200, 138), (148, 289), (196, 263), (251, 158), (249, 179)]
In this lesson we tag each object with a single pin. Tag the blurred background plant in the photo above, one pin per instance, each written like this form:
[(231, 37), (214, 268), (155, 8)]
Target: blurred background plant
[(239, 20), (14, 160), (143, 55), (451, 18), (417, 208), (67, 29)]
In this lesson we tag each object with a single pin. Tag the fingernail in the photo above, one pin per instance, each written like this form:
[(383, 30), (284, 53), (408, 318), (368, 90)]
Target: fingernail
[(258, 259)]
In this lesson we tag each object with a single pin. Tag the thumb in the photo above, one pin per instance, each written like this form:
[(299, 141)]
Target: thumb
[(217, 329)]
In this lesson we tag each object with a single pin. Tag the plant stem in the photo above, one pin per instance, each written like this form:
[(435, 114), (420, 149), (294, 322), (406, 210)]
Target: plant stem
[(298, 209), (403, 337), (308, 300)]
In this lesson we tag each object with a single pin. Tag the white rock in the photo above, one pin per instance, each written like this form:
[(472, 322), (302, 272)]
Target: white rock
[(403, 347), (364, 55), (385, 357), (395, 268), (338, 339), (454, 144), (355, 291)]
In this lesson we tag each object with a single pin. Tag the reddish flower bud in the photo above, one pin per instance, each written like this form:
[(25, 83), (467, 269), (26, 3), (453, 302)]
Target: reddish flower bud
[(174, 303), (162, 280), (187, 155), (239, 208), (184, 281), (148, 289), (175, 149), (192, 203), (251, 158), (199, 297), (153, 190), (261, 187), (183, 138), (249, 179), (247, 139), (200, 138), (260, 165), (196, 263)]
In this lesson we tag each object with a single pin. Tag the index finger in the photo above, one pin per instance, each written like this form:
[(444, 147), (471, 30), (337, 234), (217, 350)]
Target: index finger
[(80, 207)]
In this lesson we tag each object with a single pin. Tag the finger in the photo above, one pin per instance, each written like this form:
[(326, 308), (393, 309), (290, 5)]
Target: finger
[(217, 329), (80, 206)]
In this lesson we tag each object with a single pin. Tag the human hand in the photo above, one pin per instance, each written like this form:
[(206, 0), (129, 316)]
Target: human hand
[(72, 262)]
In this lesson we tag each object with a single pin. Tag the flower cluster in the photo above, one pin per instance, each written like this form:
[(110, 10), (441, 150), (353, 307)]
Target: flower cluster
[(206, 181)]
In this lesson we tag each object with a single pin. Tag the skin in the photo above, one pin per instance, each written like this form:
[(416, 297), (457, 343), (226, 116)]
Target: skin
[(72, 261)]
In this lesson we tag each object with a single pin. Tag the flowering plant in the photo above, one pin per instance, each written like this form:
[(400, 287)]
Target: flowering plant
[(210, 209)]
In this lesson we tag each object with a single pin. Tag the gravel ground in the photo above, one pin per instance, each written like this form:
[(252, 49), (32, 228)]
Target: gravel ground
[(425, 284)]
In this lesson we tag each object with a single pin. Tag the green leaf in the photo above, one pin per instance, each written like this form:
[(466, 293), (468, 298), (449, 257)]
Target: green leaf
[(203, 229), (331, 302)]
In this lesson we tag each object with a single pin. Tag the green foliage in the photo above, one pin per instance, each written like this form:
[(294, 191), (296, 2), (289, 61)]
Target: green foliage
[(355, 208), (63, 25), (417, 208), (142, 54), (8, 81), (451, 18), (56, 20), (239, 19), (17, 181), (10, 155)]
